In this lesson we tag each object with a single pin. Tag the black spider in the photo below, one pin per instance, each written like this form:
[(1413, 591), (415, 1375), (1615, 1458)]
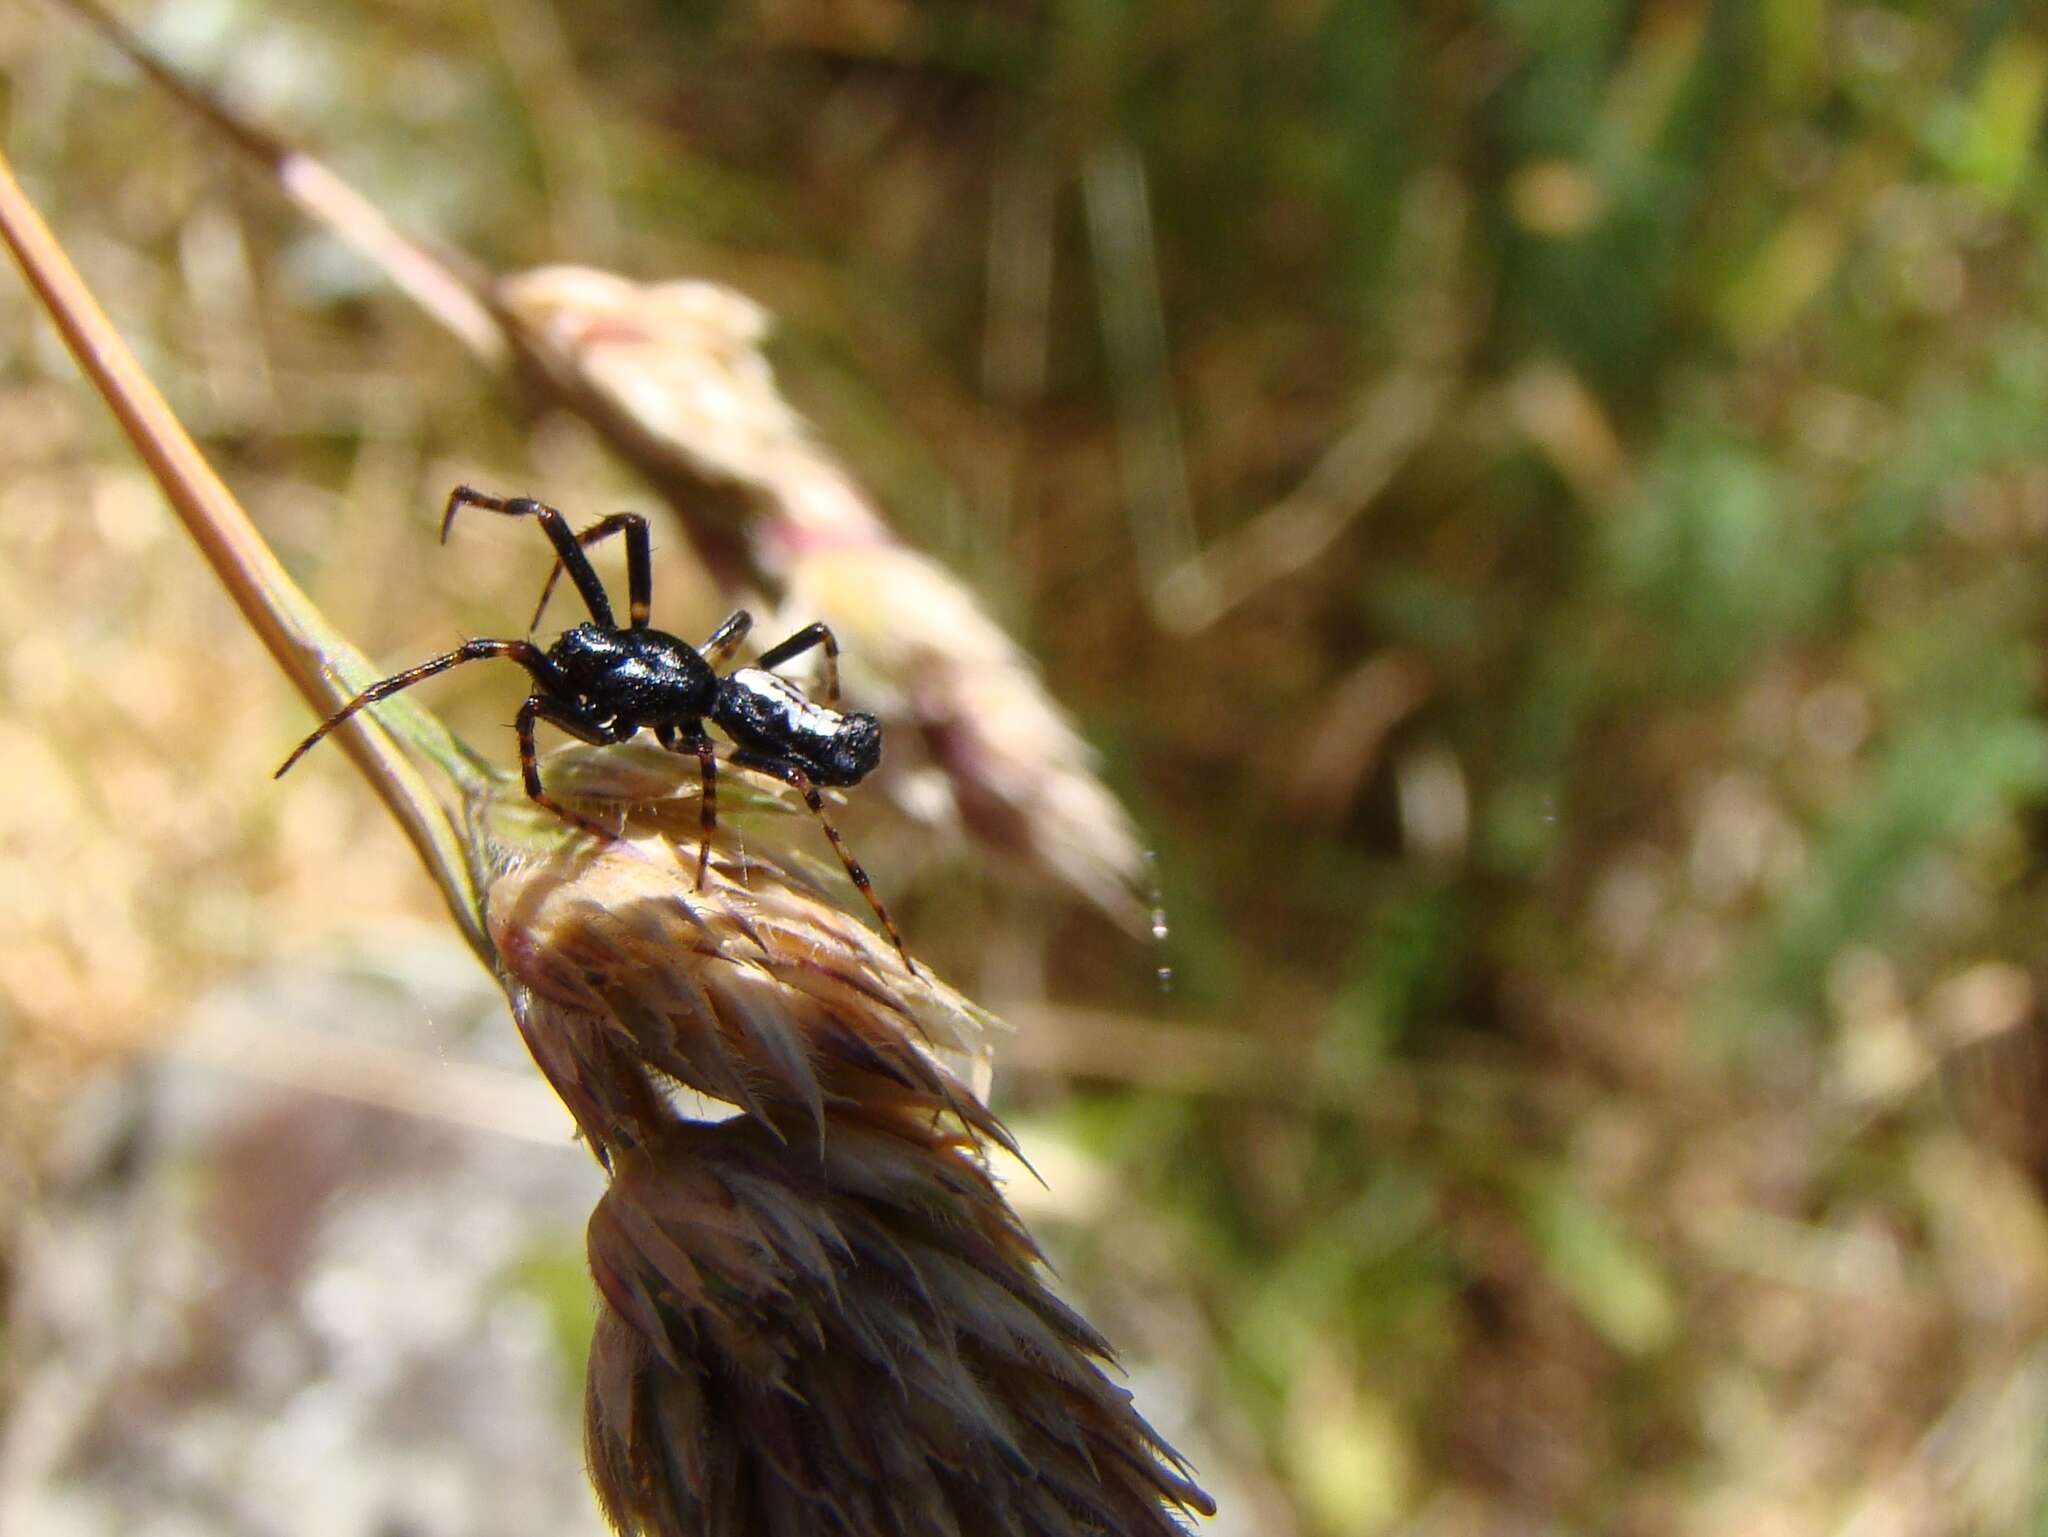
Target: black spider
[(602, 684)]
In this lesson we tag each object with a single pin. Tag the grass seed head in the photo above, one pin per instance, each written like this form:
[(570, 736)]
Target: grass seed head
[(818, 1313), (849, 1337), (756, 990)]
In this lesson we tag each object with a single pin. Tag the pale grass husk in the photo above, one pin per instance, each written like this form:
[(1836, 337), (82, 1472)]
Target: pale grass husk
[(979, 748)]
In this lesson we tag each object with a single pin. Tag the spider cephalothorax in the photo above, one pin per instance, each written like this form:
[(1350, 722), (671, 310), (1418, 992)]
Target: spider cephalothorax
[(602, 684)]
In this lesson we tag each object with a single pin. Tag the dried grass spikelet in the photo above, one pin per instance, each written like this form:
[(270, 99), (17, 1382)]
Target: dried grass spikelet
[(852, 1338), (978, 747), (818, 1315)]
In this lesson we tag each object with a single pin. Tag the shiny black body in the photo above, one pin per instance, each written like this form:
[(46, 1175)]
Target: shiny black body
[(833, 749), (603, 684), (622, 680), (612, 683)]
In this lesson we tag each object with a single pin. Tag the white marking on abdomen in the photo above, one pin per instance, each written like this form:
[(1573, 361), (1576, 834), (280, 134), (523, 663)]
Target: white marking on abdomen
[(799, 714)]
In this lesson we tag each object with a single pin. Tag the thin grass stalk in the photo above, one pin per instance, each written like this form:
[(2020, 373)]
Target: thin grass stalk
[(321, 664)]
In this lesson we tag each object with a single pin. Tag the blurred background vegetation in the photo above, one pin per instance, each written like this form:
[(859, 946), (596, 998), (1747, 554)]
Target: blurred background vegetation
[(1539, 504)]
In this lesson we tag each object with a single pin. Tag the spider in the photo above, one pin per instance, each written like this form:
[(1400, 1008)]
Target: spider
[(602, 684)]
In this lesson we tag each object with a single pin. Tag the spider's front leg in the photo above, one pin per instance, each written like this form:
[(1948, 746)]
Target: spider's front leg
[(639, 567), (568, 553), (529, 656)]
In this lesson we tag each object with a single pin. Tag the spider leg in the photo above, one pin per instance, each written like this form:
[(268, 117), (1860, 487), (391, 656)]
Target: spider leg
[(798, 780), (639, 566), (725, 640), (695, 741), (567, 551), (707, 766), (529, 656), (578, 724), (804, 639)]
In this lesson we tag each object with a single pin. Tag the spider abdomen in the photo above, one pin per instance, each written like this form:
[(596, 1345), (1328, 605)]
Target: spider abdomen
[(769, 714)]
